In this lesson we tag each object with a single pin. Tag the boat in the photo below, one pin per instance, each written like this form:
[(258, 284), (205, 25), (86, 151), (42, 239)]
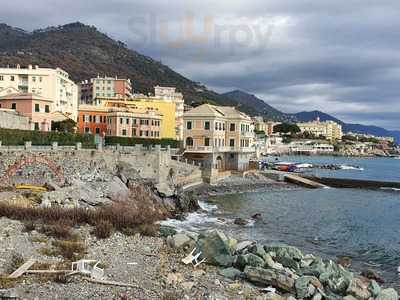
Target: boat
[(285, 166), (304, 166)]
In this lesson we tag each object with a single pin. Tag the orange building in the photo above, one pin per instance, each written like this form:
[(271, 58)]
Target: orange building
[(92, 119)]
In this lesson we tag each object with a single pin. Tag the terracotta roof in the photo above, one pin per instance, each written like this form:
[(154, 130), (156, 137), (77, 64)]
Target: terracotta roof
[(24, 96)]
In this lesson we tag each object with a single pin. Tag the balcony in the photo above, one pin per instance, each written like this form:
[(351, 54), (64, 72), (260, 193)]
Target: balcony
[(211, 149)]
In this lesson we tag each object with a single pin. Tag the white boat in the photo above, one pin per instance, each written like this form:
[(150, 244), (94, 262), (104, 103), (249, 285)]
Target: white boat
[(304, 166)]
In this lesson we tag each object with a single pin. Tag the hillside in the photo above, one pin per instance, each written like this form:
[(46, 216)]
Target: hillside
[(307, 116), (84, 52), (259, 107)]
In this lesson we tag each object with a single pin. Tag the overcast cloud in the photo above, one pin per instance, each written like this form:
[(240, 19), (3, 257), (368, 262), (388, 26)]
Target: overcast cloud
[(342, 57)]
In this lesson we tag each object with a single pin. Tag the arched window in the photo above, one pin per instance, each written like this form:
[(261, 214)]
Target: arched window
[(189, 141)]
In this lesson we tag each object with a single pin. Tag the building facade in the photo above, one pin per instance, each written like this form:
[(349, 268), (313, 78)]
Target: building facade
[(11, 119), (220, 137), (166, 109), (332, 131), (52, 84), (38, 109), (119, 121), (170, 94), (104, 87)]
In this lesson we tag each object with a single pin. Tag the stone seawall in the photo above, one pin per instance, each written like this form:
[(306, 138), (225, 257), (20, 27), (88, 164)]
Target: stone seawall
[(41, 164)]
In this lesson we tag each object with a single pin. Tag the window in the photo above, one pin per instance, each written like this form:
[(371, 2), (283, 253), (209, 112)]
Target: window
[(232, 143), (189, 142), (87, 129), (36, 126), (127, 121), (40, 79), (121, 121), (97, 130), (232, 127), (46, 108), (13, 105), (37, 108), (124, 132), (207, 125), (189, 125), (1, 78), (216, 126), (206, 142), (12, 78), (90, 118), (33, 78)]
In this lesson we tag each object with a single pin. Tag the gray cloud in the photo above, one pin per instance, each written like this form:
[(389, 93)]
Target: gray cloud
[(340, 57)]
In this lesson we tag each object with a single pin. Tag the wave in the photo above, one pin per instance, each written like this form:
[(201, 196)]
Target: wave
[(390, 189), (207, 206), (346, 167)]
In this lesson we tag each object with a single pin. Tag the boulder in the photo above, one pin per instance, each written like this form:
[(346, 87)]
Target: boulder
[(243, 245), (359, 288), (257, 216), (241, 222), (249, 259), (258, 250), (117, 190), (336, 277), (167, 231), (270, 263), (285, 251), (388, 294), (280, 279), (273, 296), (344, 261), (179, 240), (372, 274), (214, 246), (374, 288), (230, 273), (306, 286), (349, 297)]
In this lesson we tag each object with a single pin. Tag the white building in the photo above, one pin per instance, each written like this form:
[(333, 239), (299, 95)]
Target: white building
[(53, 84), (330, 130)]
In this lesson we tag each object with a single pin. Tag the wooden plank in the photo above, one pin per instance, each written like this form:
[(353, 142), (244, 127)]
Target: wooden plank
[(22, 269), (106, 282), (48, 271)]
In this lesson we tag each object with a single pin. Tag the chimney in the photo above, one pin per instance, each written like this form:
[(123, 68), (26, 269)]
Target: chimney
[(30, 67), (18, 66), (36, 67)]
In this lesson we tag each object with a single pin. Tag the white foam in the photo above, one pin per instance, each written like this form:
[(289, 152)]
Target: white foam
[(346, 167), (390, 189), (193, 221), (207, 206)]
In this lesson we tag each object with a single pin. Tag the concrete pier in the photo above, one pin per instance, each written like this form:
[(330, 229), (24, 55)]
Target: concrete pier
[(354, 183)]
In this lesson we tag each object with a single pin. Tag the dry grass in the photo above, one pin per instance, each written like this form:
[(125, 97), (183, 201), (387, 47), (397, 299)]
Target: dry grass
[(141, 210), (70, 249), (6, 283), (103, 229)]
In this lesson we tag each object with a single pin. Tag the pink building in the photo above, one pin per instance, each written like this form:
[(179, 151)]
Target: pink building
[(37, 108)]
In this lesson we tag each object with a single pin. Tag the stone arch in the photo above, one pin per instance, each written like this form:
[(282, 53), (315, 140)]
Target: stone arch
[(220, 163), (29, 160)]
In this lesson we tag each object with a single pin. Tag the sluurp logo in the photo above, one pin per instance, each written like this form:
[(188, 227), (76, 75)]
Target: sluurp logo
[(197, 36), (31, 160)]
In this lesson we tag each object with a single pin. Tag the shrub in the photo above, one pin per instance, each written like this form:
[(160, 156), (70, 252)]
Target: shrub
[(13, 137), (124, 141), (70, 249), (149, 229), (29, 226), (60, 229), (103, 229)]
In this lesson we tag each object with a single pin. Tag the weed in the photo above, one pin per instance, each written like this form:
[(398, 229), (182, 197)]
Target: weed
[(103, 229)]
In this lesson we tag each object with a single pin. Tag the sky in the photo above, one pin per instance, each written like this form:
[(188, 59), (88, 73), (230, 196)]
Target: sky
[(341, 57)]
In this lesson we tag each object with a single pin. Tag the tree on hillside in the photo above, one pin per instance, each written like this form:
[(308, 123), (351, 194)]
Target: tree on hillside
[(286, 128)]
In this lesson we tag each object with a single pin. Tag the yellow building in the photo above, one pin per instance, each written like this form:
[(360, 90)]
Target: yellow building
[(166, 109), (330, 130)]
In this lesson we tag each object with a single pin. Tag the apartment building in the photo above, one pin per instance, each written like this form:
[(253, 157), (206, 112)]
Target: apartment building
[(134, 123), (104, 87), (220, 137), (52, 84), (170, 94), (166, 109), (332, 131), (264, 126), (37, 109), (92, 120), (119, 121)]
